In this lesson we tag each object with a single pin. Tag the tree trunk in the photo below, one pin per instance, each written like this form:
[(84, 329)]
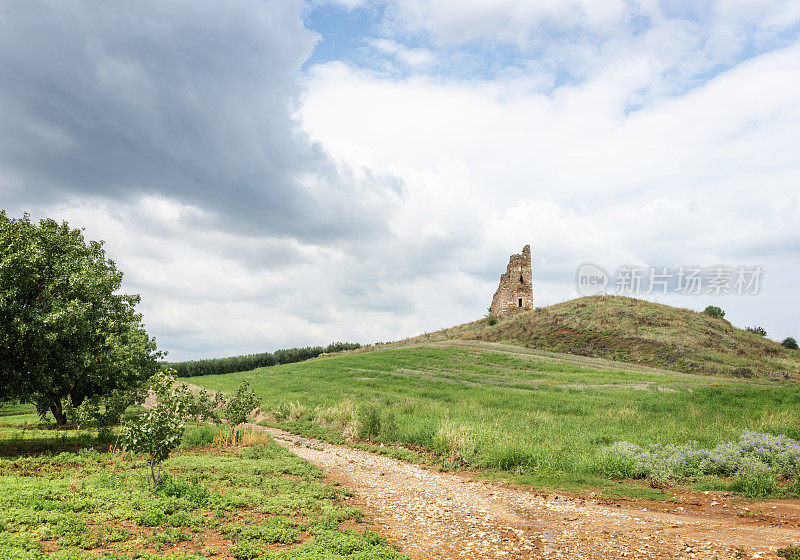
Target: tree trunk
[(58, 413)]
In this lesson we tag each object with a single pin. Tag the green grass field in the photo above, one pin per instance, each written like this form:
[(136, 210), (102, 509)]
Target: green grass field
[(542, 417), (258, 501)]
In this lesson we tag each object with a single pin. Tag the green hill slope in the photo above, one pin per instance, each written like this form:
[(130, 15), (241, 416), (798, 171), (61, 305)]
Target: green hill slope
[(638, 331), (543, 416)]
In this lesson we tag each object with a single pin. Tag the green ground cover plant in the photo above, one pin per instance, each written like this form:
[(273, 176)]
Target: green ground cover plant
[(258, 501), (757, 462), (540, 417)]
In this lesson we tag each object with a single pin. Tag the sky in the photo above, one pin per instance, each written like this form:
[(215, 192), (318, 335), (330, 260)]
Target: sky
[(278, 173)]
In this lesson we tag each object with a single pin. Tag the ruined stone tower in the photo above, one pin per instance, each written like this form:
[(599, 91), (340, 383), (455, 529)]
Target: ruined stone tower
[(515, 292)]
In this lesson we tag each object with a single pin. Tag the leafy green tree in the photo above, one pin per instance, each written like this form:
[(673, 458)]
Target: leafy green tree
[(789, 343), (159, 431), (66, 331), (714, 311), (240, 406)]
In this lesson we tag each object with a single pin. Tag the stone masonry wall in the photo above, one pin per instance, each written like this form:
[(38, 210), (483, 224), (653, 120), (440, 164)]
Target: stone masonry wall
[(515, 293)]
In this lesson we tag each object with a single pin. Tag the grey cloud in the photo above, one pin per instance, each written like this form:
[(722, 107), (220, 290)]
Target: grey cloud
[(193, 101)]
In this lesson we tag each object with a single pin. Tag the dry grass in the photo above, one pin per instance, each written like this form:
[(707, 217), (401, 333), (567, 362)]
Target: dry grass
[(635, 331), (248, 436)]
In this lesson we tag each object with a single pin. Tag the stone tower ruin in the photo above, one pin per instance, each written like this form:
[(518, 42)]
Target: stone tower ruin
[(515, 293)]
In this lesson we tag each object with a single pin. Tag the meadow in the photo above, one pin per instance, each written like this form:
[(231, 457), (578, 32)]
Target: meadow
[(253, 501), (539, 417)]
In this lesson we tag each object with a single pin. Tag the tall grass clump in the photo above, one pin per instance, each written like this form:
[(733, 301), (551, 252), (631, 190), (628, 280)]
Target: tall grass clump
[(292, 411), (341, 417), (366, 421), (247, 436)]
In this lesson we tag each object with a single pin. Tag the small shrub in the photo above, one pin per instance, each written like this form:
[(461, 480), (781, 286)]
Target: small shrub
[(191, 491), (490, 317), (248, 549), (169, 536), (273, 530), (160, 430), (760, 331), (744, 372), (240, 406), (200, 436), (151, 516), (759, 486), (714, 311), (789, 343), (791, 553)]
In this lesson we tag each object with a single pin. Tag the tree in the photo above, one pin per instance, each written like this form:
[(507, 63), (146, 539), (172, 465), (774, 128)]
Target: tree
[(239, 408), (65, 330), (789, 343), (714, 311), (160, 430), (760, 331)]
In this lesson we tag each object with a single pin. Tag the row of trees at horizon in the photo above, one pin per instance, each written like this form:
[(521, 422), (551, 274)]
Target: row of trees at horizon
[(219, 366)]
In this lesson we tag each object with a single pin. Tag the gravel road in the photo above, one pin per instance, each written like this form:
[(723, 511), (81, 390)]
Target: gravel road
[(434, 516)]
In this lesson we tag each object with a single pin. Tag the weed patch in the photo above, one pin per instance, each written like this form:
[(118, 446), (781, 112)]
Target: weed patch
[(246, 502)]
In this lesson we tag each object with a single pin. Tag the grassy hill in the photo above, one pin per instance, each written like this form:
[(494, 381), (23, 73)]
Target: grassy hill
[(540, 396), (638, 331), (536, 415)]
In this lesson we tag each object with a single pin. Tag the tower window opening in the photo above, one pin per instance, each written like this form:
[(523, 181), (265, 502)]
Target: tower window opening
[(520, 302), (522, 280)]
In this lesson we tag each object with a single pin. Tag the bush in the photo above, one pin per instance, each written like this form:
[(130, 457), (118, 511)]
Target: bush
[(151, 516), (200, 437), (240, 406), (760, 331), (745, 372), (491, 318), (160, 430), (789, 343), (756, 459), (192, 491), (791, 553), (714, 311)]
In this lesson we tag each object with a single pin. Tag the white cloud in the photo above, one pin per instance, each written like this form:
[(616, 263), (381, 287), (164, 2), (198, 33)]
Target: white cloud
[(506, 20), (253, 211), (708, 176), (414, 57)]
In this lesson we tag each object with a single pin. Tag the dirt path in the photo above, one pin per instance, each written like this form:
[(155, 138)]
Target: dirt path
[(438, 516)]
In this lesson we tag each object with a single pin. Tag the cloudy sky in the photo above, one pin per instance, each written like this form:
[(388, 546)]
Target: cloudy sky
[(273, 173)]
